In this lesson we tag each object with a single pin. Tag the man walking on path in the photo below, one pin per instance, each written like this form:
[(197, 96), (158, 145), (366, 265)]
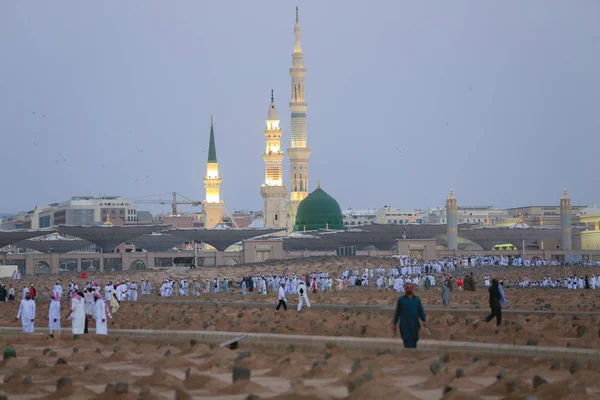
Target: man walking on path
[(281, 297), (408, 312)]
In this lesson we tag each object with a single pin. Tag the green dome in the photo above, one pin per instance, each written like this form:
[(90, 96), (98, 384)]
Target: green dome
[(318, 211)]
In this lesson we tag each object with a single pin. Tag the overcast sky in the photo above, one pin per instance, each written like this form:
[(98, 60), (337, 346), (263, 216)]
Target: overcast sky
[(498, 100)]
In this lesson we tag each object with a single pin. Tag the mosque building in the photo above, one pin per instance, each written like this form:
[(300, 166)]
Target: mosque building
[(213, 207), (304, 212)]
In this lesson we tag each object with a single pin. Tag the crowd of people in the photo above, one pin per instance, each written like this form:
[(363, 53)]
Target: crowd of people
[(93, 302), (84, 305)]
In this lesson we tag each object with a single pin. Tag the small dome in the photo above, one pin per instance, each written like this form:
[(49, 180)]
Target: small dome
[(318, 211)]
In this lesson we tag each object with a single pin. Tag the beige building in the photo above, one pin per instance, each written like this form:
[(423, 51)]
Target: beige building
[(390, 215), (589, 239)]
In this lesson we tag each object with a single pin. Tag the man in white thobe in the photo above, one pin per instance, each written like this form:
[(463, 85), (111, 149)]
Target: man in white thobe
[(302, 296), (77, 314), (101, 315), (133, 291), (58, 289), (27, 314), (54, 314)]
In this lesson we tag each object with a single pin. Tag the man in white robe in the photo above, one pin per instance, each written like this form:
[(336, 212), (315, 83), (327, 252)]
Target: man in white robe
[(108, 291), (58, 289), (101, 315), (77, 314), (27, 314), (164, 289), (88, 299), (302, 295), (54, 314), (124, 291), (25, 292), (133, 291)]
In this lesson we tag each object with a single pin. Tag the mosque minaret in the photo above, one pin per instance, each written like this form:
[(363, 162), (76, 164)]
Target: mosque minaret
[(565, 222), (273, 191), (213, 207), (451, 221), (298, 153)]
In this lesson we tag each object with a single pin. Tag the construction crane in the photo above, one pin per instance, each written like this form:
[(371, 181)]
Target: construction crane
[(174, 202)]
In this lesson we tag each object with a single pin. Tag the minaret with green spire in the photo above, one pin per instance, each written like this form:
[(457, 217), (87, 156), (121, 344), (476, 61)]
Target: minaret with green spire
[(213, 206), (212, 149)]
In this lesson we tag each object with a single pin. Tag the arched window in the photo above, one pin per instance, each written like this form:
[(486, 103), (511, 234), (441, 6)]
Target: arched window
[(275, 217)]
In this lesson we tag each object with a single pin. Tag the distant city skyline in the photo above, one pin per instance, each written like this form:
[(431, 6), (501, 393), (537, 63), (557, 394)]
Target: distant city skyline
[(406, 101)]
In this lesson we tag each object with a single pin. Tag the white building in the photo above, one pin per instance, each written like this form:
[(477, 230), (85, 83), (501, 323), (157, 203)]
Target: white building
[(468, 215), (88, 210), (359, 217)]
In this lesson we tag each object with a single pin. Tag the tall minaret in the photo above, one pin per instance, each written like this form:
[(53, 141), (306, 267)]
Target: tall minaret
[(298, 152), (451, 222), (565, 222), (213, 206), (273, 190)]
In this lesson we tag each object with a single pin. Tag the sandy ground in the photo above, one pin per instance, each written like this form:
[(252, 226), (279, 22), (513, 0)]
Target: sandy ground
[(104, 368), (92, 362)]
